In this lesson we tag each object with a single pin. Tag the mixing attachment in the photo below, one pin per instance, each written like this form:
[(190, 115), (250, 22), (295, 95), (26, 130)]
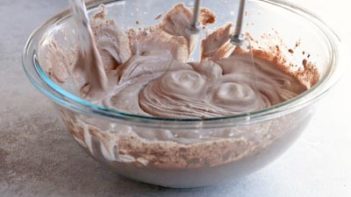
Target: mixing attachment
[(238, 38), (195, 22)]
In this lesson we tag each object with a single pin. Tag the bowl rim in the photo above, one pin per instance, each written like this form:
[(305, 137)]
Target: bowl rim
[(44, 84)]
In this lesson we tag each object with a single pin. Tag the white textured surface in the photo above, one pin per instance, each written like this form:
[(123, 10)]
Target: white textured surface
[(39, 158)]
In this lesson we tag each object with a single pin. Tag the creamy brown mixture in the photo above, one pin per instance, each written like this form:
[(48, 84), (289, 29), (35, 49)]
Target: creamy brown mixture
[(149, 72)]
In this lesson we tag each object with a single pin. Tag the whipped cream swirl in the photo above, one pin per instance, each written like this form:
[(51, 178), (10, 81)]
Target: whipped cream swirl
[(212, 89)]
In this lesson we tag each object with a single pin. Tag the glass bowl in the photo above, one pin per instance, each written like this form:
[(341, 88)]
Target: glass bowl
[(185, 153)]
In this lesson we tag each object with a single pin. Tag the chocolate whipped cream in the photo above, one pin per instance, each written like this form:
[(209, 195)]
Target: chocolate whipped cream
[(149, 72)]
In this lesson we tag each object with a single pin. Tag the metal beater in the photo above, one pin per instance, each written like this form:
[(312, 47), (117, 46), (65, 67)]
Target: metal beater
[(237, 38)]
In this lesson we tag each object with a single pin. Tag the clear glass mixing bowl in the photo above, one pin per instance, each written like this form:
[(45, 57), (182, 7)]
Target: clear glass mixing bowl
[(191, 152)]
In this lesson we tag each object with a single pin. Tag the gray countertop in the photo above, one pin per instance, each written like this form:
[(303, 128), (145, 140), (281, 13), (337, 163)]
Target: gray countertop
[(39, 158)]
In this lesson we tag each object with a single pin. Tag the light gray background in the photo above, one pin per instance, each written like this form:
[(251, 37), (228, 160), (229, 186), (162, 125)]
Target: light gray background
[(39, 158)]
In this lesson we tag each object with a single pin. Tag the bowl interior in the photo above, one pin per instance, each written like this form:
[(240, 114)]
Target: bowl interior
[(294, 30)]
